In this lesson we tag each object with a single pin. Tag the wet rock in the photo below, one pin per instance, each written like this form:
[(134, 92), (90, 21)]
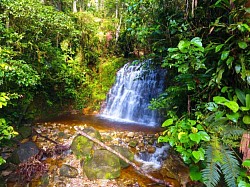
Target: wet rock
[(173, 167), (124, 152), (61, 184), (24, 152), (68, 171), (151, 149), (133, 143), (131, 134), (103, 165), (82, 146), (44, 180)]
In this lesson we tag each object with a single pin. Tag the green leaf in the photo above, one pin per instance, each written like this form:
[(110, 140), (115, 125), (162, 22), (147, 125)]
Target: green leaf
[(195, 137), (243, 108), (232, 105), (246, 163), (183, 46), (233, 117), (194, 173), (224, 55), (219, 100), (242, 45), (168, 122), (229, 61), (246, 119), (219, 76), (198, 155), (163, 139), (197, 41), (241, 96), (248, 100), (204, 136), (218, 48), (237, 68)]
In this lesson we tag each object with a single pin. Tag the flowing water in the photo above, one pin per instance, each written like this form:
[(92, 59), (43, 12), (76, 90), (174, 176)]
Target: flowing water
[(129, 98)]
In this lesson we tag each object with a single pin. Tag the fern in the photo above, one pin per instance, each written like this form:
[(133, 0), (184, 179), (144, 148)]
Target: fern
[(230, 167), (220, 160), (211, 174)]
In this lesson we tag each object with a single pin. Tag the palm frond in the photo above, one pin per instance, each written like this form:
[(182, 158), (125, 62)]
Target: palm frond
[(230, 167)]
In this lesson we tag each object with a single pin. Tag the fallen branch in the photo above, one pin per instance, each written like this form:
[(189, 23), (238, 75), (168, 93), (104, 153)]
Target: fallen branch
[(123, 158), (45, 137)]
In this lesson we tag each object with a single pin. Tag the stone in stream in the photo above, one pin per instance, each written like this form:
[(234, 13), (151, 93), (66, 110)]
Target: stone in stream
[(124, 152), (82, 146), (103, 165), (68, 171), (24, 152)]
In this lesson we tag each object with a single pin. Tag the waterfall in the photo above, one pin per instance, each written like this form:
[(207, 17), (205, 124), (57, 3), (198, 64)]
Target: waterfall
[(130, 96)]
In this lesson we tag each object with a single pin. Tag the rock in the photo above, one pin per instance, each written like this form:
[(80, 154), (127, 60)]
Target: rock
[(68, 171), (173, 167), (103, 165), (61, 184), (151, 149), (133, 143), (124, 152), (82, 146), (24, 152), (2, 182), (44, 180), (25, 131), (131, 134)]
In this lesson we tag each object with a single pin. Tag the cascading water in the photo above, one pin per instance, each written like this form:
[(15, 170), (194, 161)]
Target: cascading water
[(130, 97)]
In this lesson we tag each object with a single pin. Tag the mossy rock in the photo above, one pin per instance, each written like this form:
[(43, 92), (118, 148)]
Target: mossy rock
[(124, 152), (24, 132), (103, 165), (82, 146)]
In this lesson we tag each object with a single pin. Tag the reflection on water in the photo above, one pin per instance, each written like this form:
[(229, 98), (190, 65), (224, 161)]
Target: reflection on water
[(102, 123)]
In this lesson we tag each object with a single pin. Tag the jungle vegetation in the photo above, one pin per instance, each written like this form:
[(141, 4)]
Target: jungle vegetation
[(64, 54)]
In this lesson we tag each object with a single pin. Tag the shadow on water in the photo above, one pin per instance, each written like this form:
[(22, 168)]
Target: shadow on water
[(101, 123)]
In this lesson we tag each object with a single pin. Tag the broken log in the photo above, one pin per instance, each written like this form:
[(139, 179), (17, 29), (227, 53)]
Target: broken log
[(167, 184)]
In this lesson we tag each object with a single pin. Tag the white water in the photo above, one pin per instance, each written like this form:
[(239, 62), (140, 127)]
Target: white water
[(152, 162), (129, 98)]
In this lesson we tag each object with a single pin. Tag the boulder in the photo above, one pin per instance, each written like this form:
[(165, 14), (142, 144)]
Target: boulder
[(124, 152), (133, 143), (68, 171), (24, 132), (173, 167), (24, 152), (82, 146), (103, 165)]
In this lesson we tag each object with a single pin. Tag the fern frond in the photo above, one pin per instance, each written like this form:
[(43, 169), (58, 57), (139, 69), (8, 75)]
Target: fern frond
[(211, 174), (230, 167)]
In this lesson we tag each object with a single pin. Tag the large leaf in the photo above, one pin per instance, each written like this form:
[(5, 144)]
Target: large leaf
[(233, 117), (195, 173), (241, 96), (195, 137), (204, 136), (248, 100), (224, 55), (246, 119), (183, 46), (232, 105), (168, 122), (242, 44), (219, 99)]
